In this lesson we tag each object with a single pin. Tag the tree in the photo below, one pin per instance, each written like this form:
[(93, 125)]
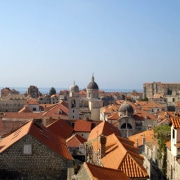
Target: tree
[(162, 133), (52, 91)]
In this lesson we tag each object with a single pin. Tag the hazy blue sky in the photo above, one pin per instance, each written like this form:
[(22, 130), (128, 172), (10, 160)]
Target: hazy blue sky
[(55, 42)]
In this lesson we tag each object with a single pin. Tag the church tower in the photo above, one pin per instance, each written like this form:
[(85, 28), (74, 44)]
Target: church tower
[(73, 102), (93, 99), (92, 89)]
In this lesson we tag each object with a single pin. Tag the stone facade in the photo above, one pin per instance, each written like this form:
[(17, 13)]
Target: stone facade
[(44, 99), (167, 89), (173, 152), (12, 103), (7, 91), (42, 163), (33, 91), (173, 166), (152, 163)]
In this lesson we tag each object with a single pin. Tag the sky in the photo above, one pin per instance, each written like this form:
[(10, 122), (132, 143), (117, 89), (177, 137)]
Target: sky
[(123, 43)]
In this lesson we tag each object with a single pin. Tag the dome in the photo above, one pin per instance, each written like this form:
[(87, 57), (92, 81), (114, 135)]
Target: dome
[(125, 107), (92, 84), (74, 88)]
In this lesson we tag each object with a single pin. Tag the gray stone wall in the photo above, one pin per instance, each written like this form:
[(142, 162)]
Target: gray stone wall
[(43, 163), (173, 167), (160, 88)]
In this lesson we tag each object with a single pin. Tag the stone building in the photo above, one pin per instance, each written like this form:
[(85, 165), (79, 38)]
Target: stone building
[(12, 102), (173, 151), (33, 152), (93, 99), (33, 92), (116, 153), (7, 91), (132, 120), (168, 89), (152, 161), (73, 102), (44, 99), (85, 107)]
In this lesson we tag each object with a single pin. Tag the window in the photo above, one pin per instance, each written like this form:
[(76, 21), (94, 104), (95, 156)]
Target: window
[(27, 149), (173, 134)]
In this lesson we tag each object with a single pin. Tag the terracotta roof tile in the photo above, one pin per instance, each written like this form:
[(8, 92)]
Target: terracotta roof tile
[(75, 140), (132, 168), (32, 102), (46, 107), (102, 173), (55, 143), (176, 122), (128, 161), (113, 116), (60, 109), (22, 115), (137, 138), (144, 115), (82, 125), (24, 110), (104, 128), (61, 128)]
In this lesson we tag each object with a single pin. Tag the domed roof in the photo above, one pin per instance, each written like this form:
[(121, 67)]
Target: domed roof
[(125, 107), (92, 84), (74, 88)]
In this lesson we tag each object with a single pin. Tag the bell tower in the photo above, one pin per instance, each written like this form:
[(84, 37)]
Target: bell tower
[(73, 102)]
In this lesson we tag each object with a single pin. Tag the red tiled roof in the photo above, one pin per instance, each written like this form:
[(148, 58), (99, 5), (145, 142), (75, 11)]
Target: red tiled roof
[(142, 114), (104, 128), (176, 122), (75, 140), (128, 161), (46, 107), (60, 109), (102, 173), (24, 110), (61, 128), (55, 143), (22, 115), (148, 134), (82, 126), (113, 116), (132, 168), (32, 102)]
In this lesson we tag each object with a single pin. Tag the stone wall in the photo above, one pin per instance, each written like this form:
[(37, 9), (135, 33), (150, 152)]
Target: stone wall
[(160, 88), (43, 163), (173, 167), (82, 174)]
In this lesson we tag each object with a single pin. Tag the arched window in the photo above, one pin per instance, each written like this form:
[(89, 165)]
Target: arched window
[(126, 126)]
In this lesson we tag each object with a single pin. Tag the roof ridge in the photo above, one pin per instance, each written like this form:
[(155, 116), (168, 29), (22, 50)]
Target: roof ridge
[(137, 165)]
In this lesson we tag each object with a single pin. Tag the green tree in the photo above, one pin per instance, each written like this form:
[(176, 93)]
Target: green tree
[(162, 133), (52, 91)]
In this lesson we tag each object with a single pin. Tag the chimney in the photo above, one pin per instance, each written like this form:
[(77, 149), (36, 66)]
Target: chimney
[(143, 142), (102, 146), (137, 143), (143, 139)]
